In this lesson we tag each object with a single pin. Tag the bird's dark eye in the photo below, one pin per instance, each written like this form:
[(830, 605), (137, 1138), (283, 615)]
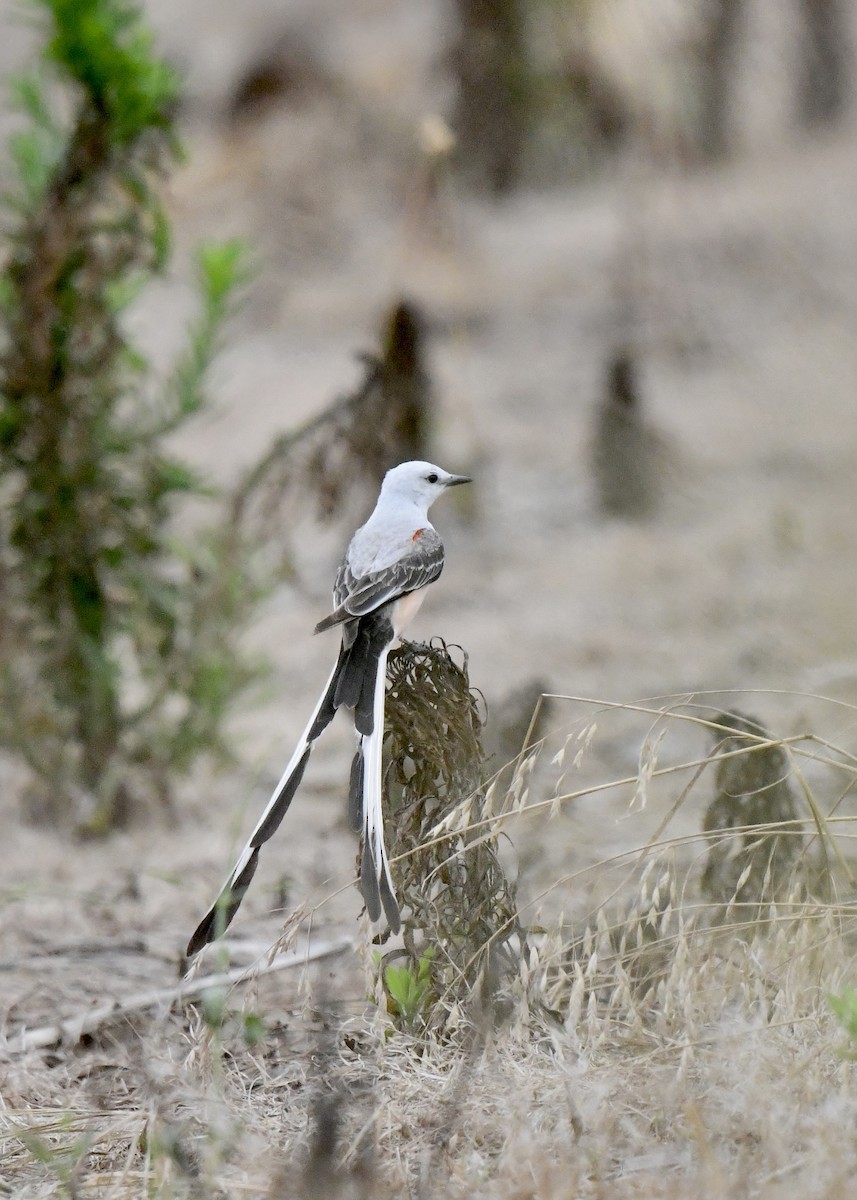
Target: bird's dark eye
[(432, 478)]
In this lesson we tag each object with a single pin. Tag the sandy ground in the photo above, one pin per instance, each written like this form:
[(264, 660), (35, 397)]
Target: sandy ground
[(744, 303)]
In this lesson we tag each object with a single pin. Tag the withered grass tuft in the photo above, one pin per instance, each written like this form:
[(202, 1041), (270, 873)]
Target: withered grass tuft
[(458, 903)]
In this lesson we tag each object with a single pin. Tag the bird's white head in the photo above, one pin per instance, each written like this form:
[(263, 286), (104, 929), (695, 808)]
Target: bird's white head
[(418, 483)]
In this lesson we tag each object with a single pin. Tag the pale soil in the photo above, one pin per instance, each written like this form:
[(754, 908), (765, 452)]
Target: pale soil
[(745, 303)]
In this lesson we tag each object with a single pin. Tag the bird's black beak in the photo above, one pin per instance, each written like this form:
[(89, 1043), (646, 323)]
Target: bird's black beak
[(454, 480)]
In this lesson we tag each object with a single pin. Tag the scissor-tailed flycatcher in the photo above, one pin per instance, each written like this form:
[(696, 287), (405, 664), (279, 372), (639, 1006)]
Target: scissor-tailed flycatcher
[(379, 588)]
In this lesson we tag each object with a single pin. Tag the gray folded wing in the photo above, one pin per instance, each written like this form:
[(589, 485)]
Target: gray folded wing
[(357, 595)]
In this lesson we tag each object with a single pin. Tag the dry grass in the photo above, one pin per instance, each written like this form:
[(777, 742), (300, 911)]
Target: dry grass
[(659, 1043), (461, 936)]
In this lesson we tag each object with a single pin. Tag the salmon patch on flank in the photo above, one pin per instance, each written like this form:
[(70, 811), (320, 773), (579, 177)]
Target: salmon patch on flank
[(419, 533)]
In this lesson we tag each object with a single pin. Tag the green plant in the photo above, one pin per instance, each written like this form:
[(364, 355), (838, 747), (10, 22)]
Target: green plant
[(409, 989), (845, 1010), (117, 655)]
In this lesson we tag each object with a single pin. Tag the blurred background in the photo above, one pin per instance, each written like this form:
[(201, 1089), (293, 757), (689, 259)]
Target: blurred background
[(600, 255), (617, 242)]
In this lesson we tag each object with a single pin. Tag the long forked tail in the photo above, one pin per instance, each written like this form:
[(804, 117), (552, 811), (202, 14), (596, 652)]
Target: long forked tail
[(353, 682), (366, 775), (218, 917)]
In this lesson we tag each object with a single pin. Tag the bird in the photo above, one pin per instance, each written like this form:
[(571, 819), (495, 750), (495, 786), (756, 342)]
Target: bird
[(379, 587)]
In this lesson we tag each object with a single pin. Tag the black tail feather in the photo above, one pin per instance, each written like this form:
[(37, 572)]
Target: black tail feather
[(280, 806), (380, 634), (369, 883), (391, 905), (355, 792), (349, 682), (353, 681), (328, 706), (219, 916)]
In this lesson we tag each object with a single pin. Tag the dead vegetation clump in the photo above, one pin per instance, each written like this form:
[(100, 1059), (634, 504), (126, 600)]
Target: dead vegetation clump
[(628, 454), (461, 927), (756, 860), (352, 443), (769, 858)]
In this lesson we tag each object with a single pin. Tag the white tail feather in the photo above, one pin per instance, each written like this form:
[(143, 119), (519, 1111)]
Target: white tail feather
[(373, 744)]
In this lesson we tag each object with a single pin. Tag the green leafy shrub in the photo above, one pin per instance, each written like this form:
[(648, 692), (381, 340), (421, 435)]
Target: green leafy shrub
[(117, 655)]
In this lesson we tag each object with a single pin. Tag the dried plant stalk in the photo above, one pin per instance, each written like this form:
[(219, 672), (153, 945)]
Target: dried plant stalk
[(628, 456), (757, 863), (355, 440), (456, 898)]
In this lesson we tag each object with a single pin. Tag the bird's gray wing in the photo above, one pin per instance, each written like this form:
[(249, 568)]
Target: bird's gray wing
[(358, 595)]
